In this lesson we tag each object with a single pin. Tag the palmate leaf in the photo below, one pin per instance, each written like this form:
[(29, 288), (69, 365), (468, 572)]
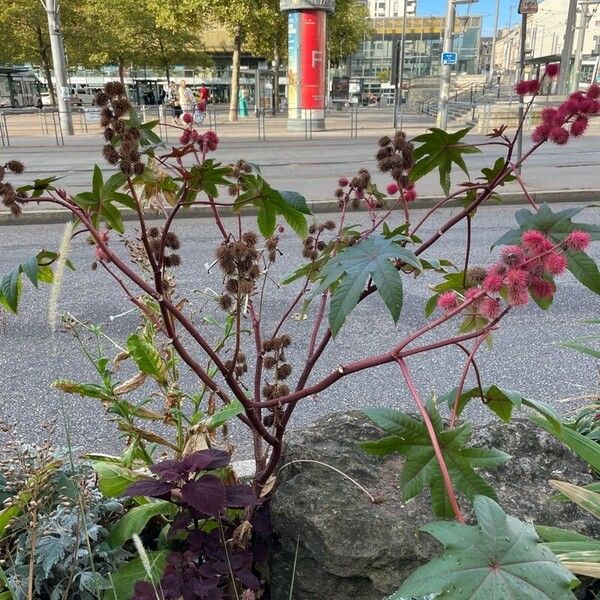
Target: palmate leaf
[(410, 438), (270, 203), (439, 150), (351, 268), (501, 558), (557, 226)]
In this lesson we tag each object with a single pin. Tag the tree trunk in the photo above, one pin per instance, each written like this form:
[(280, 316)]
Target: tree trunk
[(168, 72), (122, 73), (276, 65), (235, 74), (45, 61)]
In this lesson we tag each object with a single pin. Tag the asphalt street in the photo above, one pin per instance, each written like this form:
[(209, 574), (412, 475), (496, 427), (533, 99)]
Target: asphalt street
[(525, 355)]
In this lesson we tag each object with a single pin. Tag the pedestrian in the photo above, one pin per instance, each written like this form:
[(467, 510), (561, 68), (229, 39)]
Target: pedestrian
[(173, 102), (200, 111), (243, 102), (186, 98), (204, 93)]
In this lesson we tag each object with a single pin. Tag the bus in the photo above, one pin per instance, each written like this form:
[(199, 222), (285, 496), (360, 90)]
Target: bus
[(18, 89)]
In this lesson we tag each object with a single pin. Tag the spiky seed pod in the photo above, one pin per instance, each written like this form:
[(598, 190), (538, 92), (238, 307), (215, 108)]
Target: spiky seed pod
[(225, 302), (154, 245), (476, 276), (231, 286), (233, 189), (16, 210), (329, 225), (269, 345), (269, 362), (273, 256), (125, 166), (111, 155), (385, 141), (284, 371), (114, 88), (172, 241), (387, 164), (306, 252), (101, 99), (138, 168), (246, 287), (399, 139), (383, 153), (313, 228), (269, 391), (254, 271), (239, 370), (109, 133), (229, 365), (121, 107), (286, 340), (397, 173), (173, 260), (309, 241), (226, 258), (154, 232), (339, 193), (281, 390), (250, 238), (321, 245), (355, 205), (241, 357), (118, 127), (269, 420), (272, 242), (15, 166)]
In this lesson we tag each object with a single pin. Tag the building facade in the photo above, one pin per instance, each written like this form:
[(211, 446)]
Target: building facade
[(391, 8)]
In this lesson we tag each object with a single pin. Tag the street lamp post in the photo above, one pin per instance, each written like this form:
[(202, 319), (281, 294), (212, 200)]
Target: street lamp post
[(446, 72), (493, 51), (59, 63)]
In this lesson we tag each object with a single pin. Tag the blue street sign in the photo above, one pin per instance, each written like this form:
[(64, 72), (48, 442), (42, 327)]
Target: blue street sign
[(449, 58)]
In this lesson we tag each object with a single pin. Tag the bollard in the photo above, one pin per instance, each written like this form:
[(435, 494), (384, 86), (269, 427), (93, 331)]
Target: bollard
[(143, 108)]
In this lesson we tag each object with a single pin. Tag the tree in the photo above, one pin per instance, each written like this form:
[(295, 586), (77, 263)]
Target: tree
[(348, 26)]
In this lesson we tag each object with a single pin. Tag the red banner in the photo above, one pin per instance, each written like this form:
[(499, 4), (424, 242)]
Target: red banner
[(313, 52)]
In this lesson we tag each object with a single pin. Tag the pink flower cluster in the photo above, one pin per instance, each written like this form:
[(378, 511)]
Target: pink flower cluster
[(208, 141), (570, 119), (408, 194), (100, 254), (523, 271)]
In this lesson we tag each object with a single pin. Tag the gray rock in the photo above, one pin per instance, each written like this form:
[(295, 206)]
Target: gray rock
[(345, 546)]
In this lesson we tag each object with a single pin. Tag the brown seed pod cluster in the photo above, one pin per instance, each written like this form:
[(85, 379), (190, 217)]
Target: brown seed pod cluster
[(11, 198), (123, 141), (274, 360), (395, 156), (240, 366), (239, 168), (475, 276), (271, 246), (239, 261), (313, 244), (172, 242)]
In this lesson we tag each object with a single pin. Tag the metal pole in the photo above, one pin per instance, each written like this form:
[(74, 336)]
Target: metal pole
[(565, 62), (59, 64), (586, 17), (446, 71), (402, 55), (521, 75), (493, 54)]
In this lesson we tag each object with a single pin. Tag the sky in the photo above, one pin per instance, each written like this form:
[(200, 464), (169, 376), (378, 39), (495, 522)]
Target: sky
[(487, 8)]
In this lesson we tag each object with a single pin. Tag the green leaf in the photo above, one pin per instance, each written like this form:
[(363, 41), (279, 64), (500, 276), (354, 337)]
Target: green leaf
[(133, 571), (351, 269), (220, 417), (498, 400), (10, 287), (136, 519), (267, 220), (147, 357), (39, 186), (113, 479), (585, 269), (556, 534), (584, 498), (440, 149), (585, 448), (88, 390), (298, 201), (581, 348), (112, 216), (31, 269), (6, 517), (421, 469), (501, 558), (208, 176)]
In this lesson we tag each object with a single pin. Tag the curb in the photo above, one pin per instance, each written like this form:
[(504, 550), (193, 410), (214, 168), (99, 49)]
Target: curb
[(48, 217)]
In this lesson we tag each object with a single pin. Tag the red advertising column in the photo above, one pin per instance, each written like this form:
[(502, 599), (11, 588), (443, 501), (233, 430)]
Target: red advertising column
[(307, 59)]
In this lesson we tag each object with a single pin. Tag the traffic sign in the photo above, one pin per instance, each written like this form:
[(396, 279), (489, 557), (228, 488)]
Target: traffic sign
[(449, 58), (528, 7)]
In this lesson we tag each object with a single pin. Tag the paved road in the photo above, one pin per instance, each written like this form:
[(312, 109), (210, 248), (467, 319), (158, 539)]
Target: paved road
[(525, 355), (313, 167)]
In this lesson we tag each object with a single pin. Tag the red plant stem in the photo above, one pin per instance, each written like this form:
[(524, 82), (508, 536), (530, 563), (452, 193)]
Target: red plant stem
[(434, 441), (467, 251), (475, 369), (217, 217), (517, 174), (463, 380), (317, 324), (259, 456), (290, 308)]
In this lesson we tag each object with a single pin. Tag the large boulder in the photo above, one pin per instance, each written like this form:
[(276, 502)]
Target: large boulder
[(336, 544)]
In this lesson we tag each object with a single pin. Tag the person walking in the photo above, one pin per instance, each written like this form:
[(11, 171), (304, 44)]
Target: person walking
[(173, 101), (243, 102), (186, 98)]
